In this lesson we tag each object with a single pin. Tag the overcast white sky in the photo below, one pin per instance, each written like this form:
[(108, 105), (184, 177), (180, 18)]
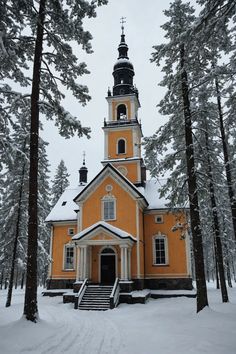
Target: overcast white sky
[(142, 30)]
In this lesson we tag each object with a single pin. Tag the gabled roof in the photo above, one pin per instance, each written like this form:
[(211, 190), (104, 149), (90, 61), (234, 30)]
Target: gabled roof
[(109, 169), (151, 191), (65, 209), (104, 226)]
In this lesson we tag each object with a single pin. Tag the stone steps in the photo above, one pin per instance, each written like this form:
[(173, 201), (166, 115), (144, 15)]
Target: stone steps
[(96, 298)]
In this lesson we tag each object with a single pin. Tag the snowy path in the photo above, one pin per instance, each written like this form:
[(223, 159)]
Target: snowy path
[(62, 330), (167, 326)]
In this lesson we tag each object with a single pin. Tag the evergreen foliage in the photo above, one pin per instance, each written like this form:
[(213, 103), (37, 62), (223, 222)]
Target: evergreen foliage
[(39, 33), (194, 53), (60, 182)]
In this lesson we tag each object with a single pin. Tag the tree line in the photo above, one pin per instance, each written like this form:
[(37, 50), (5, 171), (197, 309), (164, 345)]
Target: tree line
[(196, 145), (36, 54)]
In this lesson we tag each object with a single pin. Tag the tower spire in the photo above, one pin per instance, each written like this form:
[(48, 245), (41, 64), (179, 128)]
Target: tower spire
[(83, 171), (122, 21)]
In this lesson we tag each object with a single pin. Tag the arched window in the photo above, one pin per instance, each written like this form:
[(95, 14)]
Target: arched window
[(121, 146), (160, 250), (108, 250), (121, 112)]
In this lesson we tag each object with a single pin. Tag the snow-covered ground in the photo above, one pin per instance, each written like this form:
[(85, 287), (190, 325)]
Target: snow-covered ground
[(166, 326)]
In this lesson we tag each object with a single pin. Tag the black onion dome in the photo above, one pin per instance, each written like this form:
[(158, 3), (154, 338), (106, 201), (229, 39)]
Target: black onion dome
[(123, 71), (123, 63)]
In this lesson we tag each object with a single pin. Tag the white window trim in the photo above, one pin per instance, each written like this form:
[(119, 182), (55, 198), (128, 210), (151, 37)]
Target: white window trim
[(117, 151), (108, 198), (160, 236), (68, 231), (67, 245), (159, 216)]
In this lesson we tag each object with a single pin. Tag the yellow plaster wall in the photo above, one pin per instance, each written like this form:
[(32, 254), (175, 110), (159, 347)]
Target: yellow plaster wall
[(176, 247), (60, 239), (125, 207), (132, 170), (113, 137)]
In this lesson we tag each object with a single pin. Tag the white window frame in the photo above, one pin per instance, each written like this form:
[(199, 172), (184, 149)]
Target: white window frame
[(117, 146), (161, 217), (71, 231), (68, 245), (161, 237), (108, 198)]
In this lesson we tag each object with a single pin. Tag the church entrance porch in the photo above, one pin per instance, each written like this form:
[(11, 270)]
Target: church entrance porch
[(103, 254), (107, 266)]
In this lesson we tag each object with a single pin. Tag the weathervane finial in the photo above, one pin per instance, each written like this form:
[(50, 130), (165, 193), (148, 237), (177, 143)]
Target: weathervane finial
[(122, 21), (84, 158)]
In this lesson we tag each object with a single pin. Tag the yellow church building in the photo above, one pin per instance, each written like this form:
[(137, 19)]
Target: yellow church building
[(114, 234)]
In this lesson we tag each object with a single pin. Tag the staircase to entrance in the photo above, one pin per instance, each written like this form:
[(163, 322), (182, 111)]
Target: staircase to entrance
[(96, 297)]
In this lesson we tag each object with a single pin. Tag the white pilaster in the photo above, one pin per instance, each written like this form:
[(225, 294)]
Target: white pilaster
[(138, 236)]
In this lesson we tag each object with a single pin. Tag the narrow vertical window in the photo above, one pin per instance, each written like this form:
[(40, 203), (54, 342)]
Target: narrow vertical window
[(69, 257), (160, 250), (109, 210), (121, 146)]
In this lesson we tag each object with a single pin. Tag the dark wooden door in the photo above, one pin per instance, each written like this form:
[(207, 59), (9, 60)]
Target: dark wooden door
[(108, 269)]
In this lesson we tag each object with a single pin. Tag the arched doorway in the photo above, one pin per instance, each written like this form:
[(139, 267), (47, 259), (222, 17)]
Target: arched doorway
[(108, 266)]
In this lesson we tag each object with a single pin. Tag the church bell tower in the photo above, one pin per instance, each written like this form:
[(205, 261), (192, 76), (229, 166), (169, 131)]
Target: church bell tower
[(122, 129)]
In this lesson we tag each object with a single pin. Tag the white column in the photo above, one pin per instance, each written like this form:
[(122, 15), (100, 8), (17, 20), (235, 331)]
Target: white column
[(129, 263), (81, 253), (77, 262), (85, 262), (124, 262)]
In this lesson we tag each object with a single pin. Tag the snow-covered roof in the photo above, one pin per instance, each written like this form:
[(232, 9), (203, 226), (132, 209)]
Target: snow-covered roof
[(152, 194), (115, 230), (65, 209)]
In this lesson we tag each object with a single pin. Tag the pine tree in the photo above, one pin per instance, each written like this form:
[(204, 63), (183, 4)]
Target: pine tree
[(40, 32), (60, 182), (180, 67), (13, 211)]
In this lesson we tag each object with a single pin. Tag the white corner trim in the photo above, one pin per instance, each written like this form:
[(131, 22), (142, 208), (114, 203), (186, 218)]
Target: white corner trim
[(138, 239)]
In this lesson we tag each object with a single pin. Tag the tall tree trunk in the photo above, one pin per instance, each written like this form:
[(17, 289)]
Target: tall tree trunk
[(226, 157), (202, 300), (17, 231), (22, 279), (216, 227), (30, 305), (16, 278), (2, 277), (216, 266)]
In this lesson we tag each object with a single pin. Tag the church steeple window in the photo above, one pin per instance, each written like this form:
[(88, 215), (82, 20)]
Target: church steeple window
[(121, 146), (121, 112)]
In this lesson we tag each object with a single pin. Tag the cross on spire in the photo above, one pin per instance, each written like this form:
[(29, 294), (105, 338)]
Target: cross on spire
[(122, 21)]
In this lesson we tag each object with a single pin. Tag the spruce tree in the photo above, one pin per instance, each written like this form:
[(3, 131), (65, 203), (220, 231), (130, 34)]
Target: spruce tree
[(60, 182), (180, 68), (41, 32)]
